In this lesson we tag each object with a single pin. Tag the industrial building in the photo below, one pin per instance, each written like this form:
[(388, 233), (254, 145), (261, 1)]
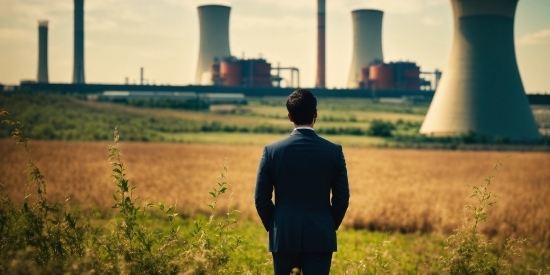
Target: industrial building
[(481, 89), (42, 75), (204, 98), (214, 40), (367, 43), (391, 76), (232, 71)]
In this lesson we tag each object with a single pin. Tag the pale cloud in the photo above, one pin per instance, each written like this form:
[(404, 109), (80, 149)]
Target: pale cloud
[(40, 9), (340, 6), (541, 37), (267, 23), (287, 4), (94, 23), (193, 4), (430, 21), (17, 34), (393, 6)]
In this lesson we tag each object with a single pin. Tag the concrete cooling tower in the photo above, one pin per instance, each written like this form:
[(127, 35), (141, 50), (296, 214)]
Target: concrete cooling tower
[(214, 40), (42, 76), (367, 42), (481, 89), (78, 69), (320, 83)]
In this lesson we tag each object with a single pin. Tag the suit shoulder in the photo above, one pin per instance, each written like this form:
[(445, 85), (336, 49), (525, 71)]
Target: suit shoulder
[(330, 143), (278, 144)]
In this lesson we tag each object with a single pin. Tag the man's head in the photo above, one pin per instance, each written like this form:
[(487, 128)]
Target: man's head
[(302, 107)]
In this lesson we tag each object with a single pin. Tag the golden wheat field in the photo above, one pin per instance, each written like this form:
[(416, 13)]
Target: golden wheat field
[(391, 189)]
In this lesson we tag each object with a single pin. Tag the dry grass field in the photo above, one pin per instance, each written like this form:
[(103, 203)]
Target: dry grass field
[(391, 190)]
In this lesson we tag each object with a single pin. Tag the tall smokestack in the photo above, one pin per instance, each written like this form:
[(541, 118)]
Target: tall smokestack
[(367, 42), (42, 75), (78, 70), (320, 83), (214, 40), (481, 89)]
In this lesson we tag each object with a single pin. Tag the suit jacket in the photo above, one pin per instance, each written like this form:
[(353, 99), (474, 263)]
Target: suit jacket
[(302, 170)]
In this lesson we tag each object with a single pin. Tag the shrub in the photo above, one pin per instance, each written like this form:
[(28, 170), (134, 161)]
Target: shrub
[(380, 128)]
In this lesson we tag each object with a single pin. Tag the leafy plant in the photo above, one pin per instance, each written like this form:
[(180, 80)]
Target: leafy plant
[(213, 242), (50, 238), (42, 235), (467, 249), (132, 247)]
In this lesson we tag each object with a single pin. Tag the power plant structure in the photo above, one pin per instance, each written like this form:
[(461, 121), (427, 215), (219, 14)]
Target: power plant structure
[(392, 76), (42, 75), (321, 53), (367, 43), (78, 69), (481, 89), (232, 71), (214, 40)]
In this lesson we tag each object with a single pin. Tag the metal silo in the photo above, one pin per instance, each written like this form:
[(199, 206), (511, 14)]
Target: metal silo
[(367, 42), (42, 75), (214, 40), (481, 89), (78, 69), (231, 73), (381, 76)]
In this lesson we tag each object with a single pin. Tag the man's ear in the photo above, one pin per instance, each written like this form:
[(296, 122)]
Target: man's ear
[(290, 118), (315, 114)]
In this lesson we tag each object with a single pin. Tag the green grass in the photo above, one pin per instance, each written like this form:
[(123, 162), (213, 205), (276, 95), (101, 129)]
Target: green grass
[(41, 237), (404, 253), (51, 116), (351, 122)]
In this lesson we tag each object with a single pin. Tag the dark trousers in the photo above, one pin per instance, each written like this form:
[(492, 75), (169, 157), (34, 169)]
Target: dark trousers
[(308, 263)]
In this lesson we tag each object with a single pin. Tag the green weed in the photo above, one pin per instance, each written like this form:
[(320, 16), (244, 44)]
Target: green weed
[(467, 251), (51, 238), (39, 235)]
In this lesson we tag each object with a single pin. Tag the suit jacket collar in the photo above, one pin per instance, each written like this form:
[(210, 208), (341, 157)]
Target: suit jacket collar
[(305, 132)]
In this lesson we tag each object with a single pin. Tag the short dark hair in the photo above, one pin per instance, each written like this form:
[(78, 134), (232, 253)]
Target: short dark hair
[(301, 105)]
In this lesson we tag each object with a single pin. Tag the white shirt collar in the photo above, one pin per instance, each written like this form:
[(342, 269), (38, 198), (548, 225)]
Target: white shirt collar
[(304, 127)]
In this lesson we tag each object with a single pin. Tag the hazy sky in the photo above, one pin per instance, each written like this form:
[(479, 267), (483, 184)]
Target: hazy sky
[(162, 36)]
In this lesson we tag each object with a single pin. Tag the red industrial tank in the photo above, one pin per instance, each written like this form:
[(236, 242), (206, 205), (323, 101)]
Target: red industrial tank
[(262, 74), (412, 78), (262, 68), (231, 73), (381, 76)]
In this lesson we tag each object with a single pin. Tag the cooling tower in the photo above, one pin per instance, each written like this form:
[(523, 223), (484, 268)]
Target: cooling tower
[(78, 69), (42, 75), (367, 42), (481, 89), (214, 40), (320, 83)]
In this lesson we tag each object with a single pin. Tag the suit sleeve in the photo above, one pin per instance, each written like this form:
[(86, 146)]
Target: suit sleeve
[(340, 190), (264, 192)]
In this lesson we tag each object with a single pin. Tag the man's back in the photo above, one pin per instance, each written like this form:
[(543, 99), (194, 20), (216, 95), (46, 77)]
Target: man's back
[(302, 169)]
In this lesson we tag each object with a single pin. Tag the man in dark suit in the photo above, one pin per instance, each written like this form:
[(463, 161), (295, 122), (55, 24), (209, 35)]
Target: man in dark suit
[(303, 170)]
